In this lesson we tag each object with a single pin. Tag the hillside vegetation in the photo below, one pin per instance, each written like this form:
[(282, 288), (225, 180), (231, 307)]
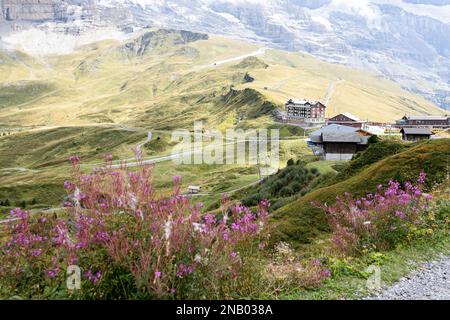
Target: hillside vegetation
[(300, 220), (90, 101), (33, 164)]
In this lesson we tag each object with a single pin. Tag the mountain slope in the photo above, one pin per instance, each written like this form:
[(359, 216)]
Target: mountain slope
[(167, 79), (407, 41)]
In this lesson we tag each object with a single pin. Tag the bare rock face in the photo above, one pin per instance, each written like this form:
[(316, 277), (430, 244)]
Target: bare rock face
[(70, 17), (33, 10)]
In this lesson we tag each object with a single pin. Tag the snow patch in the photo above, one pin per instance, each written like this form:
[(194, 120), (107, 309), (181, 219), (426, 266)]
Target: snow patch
[(440, 13), (39, 42)]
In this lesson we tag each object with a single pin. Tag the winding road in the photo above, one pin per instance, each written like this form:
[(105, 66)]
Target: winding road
[(256, 53)]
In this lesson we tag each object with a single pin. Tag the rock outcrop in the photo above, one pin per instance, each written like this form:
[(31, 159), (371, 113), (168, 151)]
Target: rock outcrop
[(33, 10), (159, 38)]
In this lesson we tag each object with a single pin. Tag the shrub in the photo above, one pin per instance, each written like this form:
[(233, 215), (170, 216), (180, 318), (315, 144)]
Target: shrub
[(290, 181), (131, 242), (374, 139), (286, 191), (378, 221), (375, 152)]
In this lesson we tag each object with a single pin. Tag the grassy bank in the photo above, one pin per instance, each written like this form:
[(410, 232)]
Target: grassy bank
[(351, 278), (300, 221)]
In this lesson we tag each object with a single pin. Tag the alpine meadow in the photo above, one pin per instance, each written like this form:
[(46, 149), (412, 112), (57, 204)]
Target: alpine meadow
[(224, 150)]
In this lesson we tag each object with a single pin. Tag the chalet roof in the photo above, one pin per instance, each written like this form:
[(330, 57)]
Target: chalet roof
[(302, 101), (338, 133), (419, 131), (350, 116), (333, 128)]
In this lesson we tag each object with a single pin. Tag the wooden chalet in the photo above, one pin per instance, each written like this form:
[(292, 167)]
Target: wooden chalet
[(347, 119), (338, 143), (416, 134)]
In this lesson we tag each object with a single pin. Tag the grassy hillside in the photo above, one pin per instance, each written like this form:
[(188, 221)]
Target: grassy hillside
[(81, 103), (169, 78), (300, 220), (34, 164)]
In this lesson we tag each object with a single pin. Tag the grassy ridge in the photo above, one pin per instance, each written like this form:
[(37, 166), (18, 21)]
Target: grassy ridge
[(21, 92), (300, 220), (45, 148)]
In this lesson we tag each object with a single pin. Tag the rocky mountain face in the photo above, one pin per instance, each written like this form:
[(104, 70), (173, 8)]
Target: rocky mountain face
[(33, 10), (404, 40), (67, 16)]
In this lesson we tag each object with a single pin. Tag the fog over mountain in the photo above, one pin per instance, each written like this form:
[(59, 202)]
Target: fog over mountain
[(404, 40)]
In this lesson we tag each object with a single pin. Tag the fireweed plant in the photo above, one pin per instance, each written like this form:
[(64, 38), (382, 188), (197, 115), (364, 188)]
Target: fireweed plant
[(382, 220), (131, 243)]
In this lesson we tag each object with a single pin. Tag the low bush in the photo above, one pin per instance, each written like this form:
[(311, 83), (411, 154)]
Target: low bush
[(291, 181)]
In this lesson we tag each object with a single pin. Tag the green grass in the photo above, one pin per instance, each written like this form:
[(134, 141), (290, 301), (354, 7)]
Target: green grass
[(34, 164), (159, 144), (300, 221), (350, 281), (323, 166), (23, 92), (46, 148), (375, 152)]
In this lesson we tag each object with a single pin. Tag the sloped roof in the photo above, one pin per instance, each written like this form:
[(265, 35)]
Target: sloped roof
[(338, 133), (351, 116), (302, 102), (421, 131), (332, 128)]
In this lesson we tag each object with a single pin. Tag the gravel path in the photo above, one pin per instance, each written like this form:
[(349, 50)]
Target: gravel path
[(430, 282)]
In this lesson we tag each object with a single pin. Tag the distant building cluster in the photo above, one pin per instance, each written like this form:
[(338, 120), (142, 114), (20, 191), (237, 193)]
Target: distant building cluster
[(343, 135), (425, 121)]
